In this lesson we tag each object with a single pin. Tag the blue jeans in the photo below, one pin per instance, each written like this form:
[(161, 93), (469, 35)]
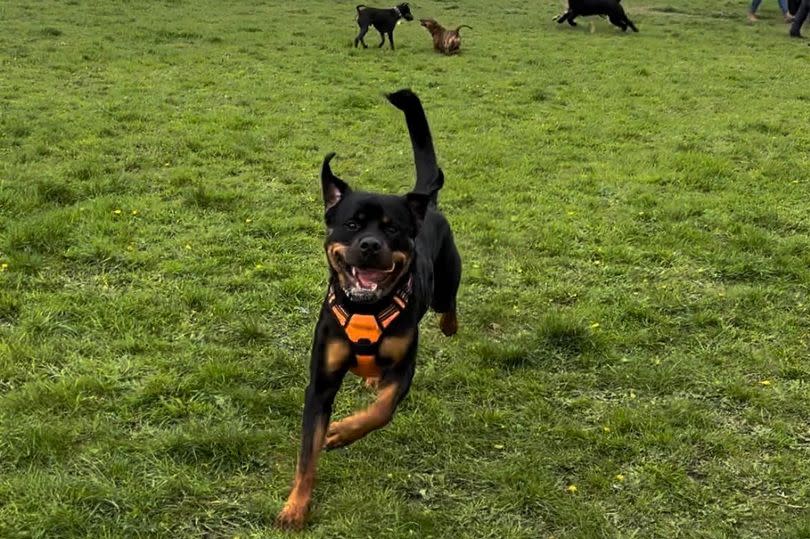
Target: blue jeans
[(755, 6)]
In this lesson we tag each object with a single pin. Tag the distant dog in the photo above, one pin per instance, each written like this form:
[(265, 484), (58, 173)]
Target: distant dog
[(383, 20), (444, 41), (610, 8)]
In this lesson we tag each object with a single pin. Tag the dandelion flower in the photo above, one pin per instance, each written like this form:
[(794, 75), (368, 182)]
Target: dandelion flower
[(765, 382), (572, 489), (619, 477), (117, 211)]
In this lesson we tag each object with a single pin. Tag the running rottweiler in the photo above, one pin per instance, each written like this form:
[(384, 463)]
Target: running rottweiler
[(390, 258)]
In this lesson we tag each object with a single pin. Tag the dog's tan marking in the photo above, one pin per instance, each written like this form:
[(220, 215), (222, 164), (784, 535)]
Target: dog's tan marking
[(337, 354), (395, 347), (335, 252), (377, 415)]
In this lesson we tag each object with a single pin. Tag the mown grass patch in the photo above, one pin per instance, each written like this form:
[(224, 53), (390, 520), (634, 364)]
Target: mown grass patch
[(632, 214)]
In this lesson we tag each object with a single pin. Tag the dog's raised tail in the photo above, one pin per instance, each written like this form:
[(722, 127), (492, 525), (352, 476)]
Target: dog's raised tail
[(359, 7), (463, 26), (429, 177)]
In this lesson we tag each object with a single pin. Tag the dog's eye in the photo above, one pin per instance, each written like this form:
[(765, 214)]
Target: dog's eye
[(391, 229), (352, 226)]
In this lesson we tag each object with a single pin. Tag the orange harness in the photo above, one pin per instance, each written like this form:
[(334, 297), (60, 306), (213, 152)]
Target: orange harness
[(365, 331)]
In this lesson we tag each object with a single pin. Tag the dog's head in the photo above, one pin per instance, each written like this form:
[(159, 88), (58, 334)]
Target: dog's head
[(431, 24), (405, 11), (369, 237)]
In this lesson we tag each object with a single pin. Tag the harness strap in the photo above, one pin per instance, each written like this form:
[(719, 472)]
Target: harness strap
[(365, 331)]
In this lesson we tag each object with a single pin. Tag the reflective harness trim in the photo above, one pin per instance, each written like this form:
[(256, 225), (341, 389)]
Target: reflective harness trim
[(365, 331)]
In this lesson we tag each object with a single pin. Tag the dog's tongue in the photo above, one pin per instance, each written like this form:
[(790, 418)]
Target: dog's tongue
[(369, 278)]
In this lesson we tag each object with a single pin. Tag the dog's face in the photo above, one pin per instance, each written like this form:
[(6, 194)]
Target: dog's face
[(430, 24), (369, 237), (405, 10)]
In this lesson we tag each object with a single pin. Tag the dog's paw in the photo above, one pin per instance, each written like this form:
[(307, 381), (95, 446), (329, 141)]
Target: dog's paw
[(292, 517), (448, 323), (338, 435)]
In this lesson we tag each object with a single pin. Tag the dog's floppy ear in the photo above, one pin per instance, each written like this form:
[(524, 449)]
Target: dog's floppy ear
[(334, 189)]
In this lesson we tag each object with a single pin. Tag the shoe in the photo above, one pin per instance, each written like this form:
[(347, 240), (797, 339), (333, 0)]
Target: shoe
[(788, 18), (752, 17)]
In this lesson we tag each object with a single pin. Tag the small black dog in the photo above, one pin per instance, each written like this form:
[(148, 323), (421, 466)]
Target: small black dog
[(384, 20), (611, 8), (390, 258)]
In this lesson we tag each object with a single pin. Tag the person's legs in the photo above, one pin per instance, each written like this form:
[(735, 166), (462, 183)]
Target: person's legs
[(752, 11), (785, 12), (801, 15)]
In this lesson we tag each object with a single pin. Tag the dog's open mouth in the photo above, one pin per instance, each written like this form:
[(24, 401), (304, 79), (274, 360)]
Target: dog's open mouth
[(364, 283), (371, 278)]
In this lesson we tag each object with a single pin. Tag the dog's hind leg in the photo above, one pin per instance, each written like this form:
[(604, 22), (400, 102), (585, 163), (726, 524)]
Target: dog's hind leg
[(571, 16), (561, 18), (630, 24), (391, 39), (447, 278), (360, 36), (382, 40)]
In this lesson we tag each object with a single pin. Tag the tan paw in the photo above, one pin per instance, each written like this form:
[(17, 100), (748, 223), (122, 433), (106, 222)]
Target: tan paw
[(339, 434), (292, 517), (372, 382)]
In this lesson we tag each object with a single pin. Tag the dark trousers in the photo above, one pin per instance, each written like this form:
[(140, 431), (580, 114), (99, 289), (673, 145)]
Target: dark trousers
[(801, 15)]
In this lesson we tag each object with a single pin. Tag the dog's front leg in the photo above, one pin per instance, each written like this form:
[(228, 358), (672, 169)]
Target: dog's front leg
[(391, 39), (391, 389), (377, 415), (328, 371)]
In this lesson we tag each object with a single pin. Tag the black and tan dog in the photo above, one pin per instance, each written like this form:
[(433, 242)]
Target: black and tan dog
[(444, 40), (383, 20), (390, 259), (612, 9)]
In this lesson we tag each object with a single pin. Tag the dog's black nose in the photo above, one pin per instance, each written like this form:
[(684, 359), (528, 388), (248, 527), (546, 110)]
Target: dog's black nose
[(370, 245)]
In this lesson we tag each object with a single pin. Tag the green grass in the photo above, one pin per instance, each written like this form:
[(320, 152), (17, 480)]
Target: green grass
[(633, 215)]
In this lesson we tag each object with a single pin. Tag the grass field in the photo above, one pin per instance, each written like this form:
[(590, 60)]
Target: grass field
[(633, 212)]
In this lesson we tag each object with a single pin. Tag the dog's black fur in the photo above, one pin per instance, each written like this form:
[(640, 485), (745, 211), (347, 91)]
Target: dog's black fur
[(384, 20), (612, 9), (375, 244)]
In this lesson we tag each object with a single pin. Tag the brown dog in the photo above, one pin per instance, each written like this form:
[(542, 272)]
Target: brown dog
[(444, 41)]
